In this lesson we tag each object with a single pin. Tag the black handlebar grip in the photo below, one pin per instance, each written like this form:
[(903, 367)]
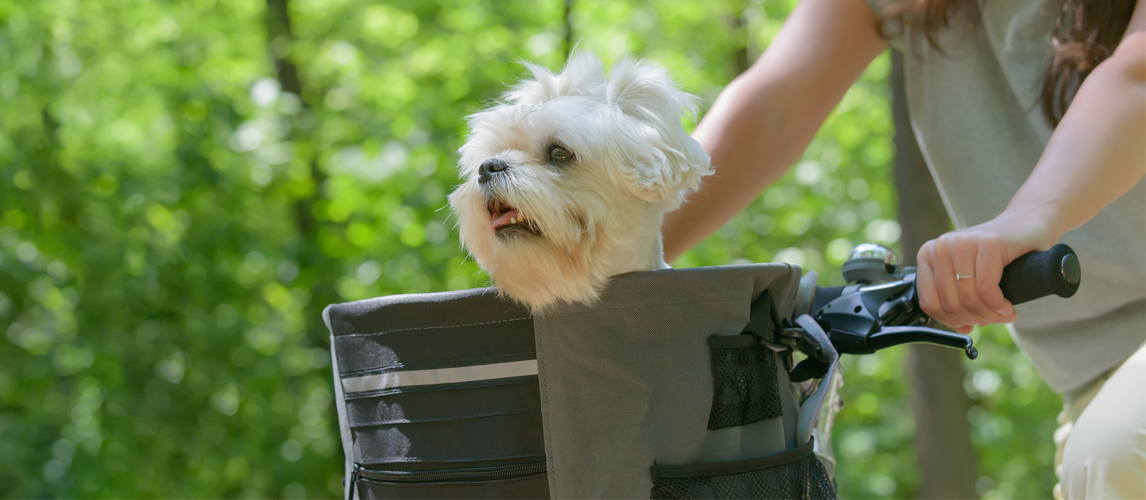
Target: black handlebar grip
[(1038, 274)]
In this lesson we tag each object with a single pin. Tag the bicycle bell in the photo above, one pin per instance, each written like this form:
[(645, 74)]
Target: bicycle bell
[(870, 263)]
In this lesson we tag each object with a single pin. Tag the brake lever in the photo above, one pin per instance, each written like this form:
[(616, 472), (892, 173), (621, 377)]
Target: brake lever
[(880, 309), (896, 335), (880, 316)]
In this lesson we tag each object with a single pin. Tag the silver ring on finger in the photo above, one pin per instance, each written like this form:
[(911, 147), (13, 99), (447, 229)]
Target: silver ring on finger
[(963, 276)]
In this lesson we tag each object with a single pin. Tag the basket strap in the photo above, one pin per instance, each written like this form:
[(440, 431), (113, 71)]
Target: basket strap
[(811, 407)]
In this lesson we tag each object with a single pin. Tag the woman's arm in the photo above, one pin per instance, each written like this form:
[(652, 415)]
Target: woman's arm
[(1096, 154), (764, 120)]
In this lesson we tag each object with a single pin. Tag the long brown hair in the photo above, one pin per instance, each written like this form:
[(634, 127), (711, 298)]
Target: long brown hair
[(1086, 33)]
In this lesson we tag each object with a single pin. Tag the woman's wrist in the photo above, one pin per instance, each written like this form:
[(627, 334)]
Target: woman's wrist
[(1042, 223)]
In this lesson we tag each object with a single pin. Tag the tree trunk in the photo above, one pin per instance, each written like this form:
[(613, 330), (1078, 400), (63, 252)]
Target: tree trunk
[(279, 39), (315, 265), (946, 460), (567, 43), (739, 24)]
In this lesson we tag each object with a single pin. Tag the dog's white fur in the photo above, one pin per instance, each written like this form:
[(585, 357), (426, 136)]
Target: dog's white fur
[(597, 215)]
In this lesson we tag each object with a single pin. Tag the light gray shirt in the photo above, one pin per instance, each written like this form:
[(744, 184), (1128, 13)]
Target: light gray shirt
[(976, 112)]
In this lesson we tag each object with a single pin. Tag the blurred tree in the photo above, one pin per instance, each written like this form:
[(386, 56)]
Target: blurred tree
[(567, 19), (946, 459), (280, 41)]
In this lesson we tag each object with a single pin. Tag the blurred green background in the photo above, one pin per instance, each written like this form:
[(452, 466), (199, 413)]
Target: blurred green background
[(175, 212)]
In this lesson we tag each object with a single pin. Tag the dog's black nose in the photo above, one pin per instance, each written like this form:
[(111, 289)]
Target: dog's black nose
[(488, 168)]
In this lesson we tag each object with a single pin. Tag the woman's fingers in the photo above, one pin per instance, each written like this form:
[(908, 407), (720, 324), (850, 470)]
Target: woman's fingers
[(949, 297), (958, 281), (967, 255), (925, 287), (989, 269)]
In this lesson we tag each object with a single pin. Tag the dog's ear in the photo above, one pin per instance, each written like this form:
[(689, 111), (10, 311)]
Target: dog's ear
[(582, 76), (673, 163)]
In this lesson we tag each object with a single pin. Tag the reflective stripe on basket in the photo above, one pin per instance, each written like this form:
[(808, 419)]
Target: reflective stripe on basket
[(390, 380)]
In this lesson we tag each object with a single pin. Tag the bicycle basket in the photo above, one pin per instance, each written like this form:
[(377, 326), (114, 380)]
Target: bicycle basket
[(666, 388)]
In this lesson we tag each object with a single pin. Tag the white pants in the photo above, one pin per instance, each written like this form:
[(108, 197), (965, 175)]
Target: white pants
[(1101, 441)]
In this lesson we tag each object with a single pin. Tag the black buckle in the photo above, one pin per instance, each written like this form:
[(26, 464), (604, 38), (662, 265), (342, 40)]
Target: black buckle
[(817, 364)]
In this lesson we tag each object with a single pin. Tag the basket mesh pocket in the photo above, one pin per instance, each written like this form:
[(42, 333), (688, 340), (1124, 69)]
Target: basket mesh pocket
[(744, 382), (803, 478)]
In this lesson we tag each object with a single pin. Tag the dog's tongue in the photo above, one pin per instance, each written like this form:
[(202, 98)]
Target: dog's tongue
[(503, 219)]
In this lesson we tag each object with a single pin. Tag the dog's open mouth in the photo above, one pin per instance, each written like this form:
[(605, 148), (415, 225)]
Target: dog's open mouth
[(505, 218)]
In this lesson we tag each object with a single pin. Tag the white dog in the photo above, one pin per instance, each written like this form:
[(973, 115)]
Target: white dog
[(567, 179)]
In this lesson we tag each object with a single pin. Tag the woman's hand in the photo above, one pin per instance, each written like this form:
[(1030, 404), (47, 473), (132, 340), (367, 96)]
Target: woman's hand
[(958, 273)]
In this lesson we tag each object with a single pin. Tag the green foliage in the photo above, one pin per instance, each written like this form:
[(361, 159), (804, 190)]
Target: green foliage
[(172, 223)]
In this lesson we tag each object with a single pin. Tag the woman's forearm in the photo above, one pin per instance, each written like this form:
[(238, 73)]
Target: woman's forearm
[(763, 121), (1098, 150), (749, 151)]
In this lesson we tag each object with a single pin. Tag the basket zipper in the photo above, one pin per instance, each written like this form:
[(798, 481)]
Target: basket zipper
[(353, 482), (508, 471)]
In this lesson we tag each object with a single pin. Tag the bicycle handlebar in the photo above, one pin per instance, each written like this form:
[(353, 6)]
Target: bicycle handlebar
[(1032, 276), (1039, 274), (880, 310)]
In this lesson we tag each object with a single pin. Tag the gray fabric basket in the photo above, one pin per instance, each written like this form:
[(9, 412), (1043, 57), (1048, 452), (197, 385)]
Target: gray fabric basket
[(666, 388)]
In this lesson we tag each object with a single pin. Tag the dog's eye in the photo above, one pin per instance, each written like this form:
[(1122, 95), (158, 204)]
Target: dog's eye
[(558, 154)]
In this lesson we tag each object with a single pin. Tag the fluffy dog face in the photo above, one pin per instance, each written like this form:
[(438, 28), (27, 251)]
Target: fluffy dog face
[(565, 181)]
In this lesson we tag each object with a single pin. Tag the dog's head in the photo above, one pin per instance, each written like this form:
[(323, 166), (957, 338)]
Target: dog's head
[(566, 180)]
